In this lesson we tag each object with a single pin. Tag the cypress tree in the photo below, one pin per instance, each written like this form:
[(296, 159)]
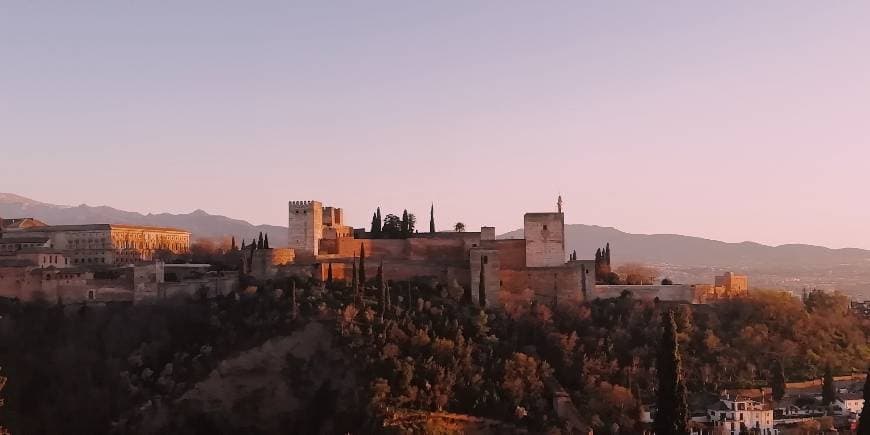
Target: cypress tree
[(672, 415), (380, 220), (379, 277), (389, 298), (266, 242), (778, 384), (599, 268), (555, 291), (828, 391), (362, 265), (260, 241), (295, 311), (353, 282), (375, 224), (406, 227), (432, 219), (466, 295), (233, 243), (383, 298), (864, 422), (481, 285), (607, 256), (243, 244)]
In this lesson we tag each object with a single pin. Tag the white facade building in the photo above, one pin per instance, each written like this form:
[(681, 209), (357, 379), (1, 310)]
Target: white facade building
[(848, 403), (737, 415)]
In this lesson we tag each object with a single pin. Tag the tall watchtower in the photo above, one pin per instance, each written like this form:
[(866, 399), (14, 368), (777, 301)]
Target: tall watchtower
[(545, 238), (305, 226)]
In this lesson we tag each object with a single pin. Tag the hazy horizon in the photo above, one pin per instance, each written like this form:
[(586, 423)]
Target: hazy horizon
[(712, 120), (422, 223)]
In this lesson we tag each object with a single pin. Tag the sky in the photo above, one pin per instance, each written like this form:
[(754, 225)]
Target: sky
[(727, 120)]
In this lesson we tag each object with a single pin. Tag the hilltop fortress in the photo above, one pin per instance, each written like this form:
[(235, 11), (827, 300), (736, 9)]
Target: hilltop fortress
[(321, 244), (123, 263), (320, 241)]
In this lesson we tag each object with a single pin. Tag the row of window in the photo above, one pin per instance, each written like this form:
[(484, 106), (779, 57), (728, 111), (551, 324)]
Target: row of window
[(81, 235), (19, 246), (64, 276), (74, 244), (89, 260), (53, 259)]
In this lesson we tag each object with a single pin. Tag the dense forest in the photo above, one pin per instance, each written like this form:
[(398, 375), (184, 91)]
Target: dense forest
[(304, 357)]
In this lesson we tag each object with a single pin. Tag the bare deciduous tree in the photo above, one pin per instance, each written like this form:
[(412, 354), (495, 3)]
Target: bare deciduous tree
[(637, 274)]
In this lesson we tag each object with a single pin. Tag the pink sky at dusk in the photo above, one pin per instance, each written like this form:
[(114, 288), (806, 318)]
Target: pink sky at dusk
[(728, 120)]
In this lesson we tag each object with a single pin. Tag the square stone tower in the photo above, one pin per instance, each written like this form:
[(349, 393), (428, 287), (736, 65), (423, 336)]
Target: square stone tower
[(733, 284), (545, 239), (305, 227)]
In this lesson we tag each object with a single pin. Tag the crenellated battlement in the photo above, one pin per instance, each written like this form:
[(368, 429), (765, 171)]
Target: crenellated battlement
[(302, 204)]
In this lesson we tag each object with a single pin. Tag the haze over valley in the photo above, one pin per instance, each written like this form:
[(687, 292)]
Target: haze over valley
[(683, 259)]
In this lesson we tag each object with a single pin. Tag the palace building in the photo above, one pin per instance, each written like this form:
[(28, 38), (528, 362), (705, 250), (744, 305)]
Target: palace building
[(96, 243)]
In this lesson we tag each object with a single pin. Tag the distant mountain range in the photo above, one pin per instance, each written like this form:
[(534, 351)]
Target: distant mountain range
[(691, 260), (199, 223), (696, 251), (682, 258)]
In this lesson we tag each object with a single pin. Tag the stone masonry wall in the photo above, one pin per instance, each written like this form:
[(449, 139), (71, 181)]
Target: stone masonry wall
[(442, 251), (511, 252), (305, 227), (542, 281), (491, 272), (264, 263), (545, 239), (671, 293)]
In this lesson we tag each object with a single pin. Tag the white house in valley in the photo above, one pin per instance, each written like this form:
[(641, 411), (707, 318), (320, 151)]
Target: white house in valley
[(739, 415), (848, 404)]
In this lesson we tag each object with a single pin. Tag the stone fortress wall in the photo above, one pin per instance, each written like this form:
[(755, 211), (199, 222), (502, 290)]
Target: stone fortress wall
[(266, 261), (537, 264), (136, 284), (671, 293)]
